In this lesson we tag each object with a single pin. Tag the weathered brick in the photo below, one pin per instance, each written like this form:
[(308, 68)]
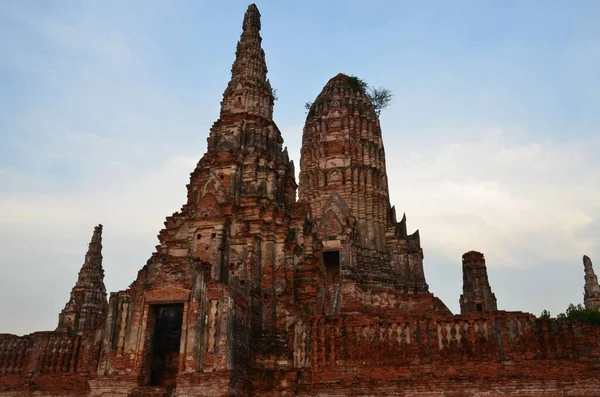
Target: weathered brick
[(252, 293)]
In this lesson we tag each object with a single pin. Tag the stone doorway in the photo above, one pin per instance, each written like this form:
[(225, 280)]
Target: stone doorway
[(331, 259), (166, 339)]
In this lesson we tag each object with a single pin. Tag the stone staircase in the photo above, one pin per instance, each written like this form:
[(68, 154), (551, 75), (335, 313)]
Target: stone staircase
[(152, 391)]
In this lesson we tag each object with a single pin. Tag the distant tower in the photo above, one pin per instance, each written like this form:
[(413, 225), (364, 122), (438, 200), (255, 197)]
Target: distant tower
[(477, 294), (88, 305), (591, 296)]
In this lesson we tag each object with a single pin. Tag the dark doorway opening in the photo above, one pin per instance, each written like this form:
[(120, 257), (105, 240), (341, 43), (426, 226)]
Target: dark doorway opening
[(479, 307), (165, 344), (331, 259)]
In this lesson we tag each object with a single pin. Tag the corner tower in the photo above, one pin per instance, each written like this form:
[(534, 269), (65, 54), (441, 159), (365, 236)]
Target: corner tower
[(343, 177), (477, 294), (87, 307), (591, 296)]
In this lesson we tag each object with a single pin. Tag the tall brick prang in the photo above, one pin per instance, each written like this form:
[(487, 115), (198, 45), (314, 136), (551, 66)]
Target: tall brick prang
[(223, 277), (87, 307), (477, 294), (591, 295)]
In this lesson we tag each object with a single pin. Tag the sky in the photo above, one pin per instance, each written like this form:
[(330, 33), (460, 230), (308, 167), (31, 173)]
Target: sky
[(492, 140)]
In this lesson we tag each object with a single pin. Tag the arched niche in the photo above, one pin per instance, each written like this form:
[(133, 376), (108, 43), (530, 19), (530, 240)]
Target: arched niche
[(334, 217), (214, 187)]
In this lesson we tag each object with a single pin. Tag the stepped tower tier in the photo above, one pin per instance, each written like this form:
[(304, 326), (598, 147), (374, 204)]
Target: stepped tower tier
[(591, 296), (245, 158), (87, 307), (343, 177), (477, 294)]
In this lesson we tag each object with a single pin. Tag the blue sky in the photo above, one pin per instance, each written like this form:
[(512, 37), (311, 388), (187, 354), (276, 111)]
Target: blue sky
[(492, 140)]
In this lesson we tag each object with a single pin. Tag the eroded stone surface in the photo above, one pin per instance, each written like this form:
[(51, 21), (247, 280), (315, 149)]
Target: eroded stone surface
[(343, 177)]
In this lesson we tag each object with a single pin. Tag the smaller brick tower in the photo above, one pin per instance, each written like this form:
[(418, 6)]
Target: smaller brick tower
[(87, 306), (591, 296), (477, 294)]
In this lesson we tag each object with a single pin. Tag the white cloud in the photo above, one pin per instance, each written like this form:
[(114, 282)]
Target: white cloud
[(523, 204), (48, 235), (498, 194)]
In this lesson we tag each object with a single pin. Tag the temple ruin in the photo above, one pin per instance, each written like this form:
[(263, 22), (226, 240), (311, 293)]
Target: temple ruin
[(260, 286)]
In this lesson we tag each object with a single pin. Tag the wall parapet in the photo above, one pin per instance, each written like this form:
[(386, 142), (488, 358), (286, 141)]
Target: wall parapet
[(28, 361), (350, 341)]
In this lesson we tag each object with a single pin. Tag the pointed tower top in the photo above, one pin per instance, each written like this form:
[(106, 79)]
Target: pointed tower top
[(96, 241), (249, 91), (92, 267), (97, 232), (87, 305), (587, 263), (591, 296), (251, 20)]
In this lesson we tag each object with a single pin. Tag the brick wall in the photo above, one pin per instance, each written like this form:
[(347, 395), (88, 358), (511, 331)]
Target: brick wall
[(52, 362), (495, 354)]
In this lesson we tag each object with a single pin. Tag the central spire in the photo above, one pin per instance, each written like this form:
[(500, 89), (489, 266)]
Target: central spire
[(249, 90)]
